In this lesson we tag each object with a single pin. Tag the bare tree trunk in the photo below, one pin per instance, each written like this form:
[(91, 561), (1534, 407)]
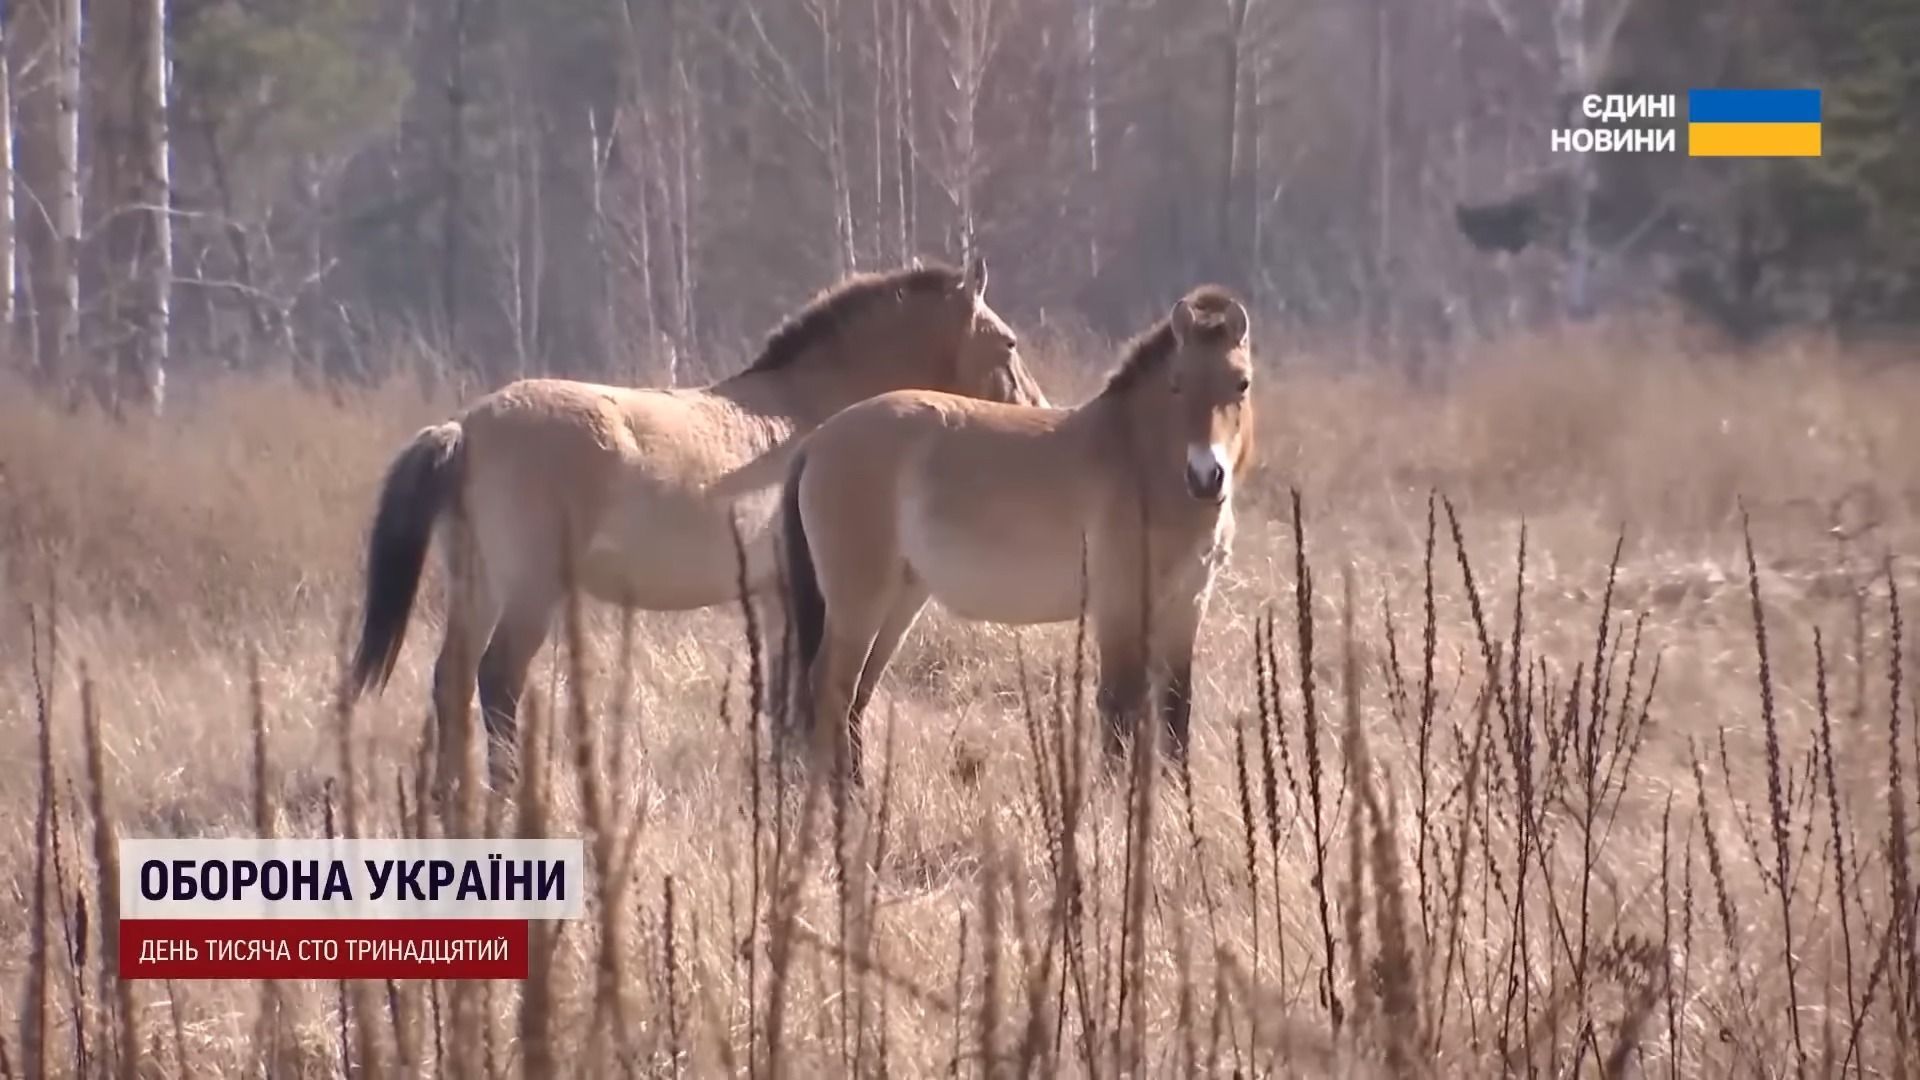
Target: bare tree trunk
[(968, 52), (64, 273), (454, 175), (32, 29), (9, 264), (1090, 56), (1384, 278), (515, 235), (1229, 164), (532, 254), (600, 138), (1570, 26), (1256, 204), (637, 133), (643, 259), (1468, 313), (156, 178), (881, 72), (832, 35), (262, 318), (903, 127), (1584, 53), (132, 181), (685, 144), (973, 16), (49, 173)]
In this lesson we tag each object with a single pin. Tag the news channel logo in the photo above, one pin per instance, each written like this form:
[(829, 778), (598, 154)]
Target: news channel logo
[(1719, 122)]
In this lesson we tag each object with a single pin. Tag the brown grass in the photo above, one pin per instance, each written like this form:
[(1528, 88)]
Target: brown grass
[(1470, 838)]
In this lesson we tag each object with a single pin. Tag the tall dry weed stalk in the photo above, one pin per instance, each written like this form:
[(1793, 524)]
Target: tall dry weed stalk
[(106, 863), (1310, 734), (609, 997), (1835, 818), (364, 1005), (1778, 810), (790, 862), (1906, 939), (267, 1031), (1142, 748), (36, 1018), (987, 1036), (1423, 757), (538, 1056), (1394, 975)]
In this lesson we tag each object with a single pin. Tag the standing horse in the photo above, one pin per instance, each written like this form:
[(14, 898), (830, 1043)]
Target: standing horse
[(631, 490), (995, 509)]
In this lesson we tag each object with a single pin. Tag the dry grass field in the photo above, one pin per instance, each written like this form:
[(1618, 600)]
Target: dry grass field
[(1418, 835)]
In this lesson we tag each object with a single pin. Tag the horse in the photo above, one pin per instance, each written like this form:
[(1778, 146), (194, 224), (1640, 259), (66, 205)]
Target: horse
[(1120, 509), (633, 495)]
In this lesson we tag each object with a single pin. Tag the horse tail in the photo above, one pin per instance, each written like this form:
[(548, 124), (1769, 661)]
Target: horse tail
[(805, 604), (422, 484)]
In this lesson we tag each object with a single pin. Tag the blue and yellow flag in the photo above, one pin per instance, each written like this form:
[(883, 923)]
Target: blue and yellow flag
[(1753, 123)]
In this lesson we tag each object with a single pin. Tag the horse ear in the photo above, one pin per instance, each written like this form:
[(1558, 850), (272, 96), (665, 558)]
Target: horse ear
[(1237, 322), (976, 277), (1181, 320)]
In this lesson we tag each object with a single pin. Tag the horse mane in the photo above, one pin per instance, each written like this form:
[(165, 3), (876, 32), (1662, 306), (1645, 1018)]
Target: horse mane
[(834, 309), (1148, 350)]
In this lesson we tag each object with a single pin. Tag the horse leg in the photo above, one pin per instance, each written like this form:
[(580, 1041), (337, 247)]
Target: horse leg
[(836, 676), (1123, 681), (503, 677), (471, 614), (1175, 706), (908, 602), (852, 625), (1174, 633)]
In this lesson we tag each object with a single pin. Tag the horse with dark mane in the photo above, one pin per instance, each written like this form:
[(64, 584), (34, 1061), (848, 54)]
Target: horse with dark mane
[(631, 491), (990, 508)]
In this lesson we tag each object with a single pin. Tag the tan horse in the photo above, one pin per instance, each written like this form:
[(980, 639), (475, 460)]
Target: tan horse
[(991, 509), (631, 489)]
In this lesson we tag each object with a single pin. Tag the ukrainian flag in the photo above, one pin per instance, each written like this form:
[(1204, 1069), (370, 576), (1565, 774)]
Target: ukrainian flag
[(1753, 123)]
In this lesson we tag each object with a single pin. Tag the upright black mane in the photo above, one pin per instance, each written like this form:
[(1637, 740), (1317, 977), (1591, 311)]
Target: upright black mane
[(833, 310), (1148, 351)]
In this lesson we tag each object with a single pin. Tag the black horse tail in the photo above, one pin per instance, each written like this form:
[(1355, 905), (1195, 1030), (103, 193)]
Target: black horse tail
[(805, 604), (422, 483)]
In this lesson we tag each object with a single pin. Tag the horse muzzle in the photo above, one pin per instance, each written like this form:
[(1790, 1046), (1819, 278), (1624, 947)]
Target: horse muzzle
[(1207, 473)]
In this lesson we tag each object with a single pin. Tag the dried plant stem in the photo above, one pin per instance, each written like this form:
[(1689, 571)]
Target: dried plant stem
[(106, 862), (36, 1018), (1310, 731), (537, 1052), (1776, 801)]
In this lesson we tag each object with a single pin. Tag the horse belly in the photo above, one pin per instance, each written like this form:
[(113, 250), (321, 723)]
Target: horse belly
[(1002, 575), (678, 555)]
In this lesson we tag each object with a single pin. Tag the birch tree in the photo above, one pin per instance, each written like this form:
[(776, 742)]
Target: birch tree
[(967, 31), (47, 36), (131, 178), (9, 261), (1234, 33)]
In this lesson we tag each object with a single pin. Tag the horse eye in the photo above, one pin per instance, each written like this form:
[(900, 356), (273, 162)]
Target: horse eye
[(1243, 384)]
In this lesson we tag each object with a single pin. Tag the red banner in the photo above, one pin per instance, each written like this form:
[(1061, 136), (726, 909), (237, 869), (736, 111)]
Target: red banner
[(323, 949)]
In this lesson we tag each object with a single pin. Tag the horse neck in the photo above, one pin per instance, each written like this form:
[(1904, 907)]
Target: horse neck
[(1134, 426), (857, 364)]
